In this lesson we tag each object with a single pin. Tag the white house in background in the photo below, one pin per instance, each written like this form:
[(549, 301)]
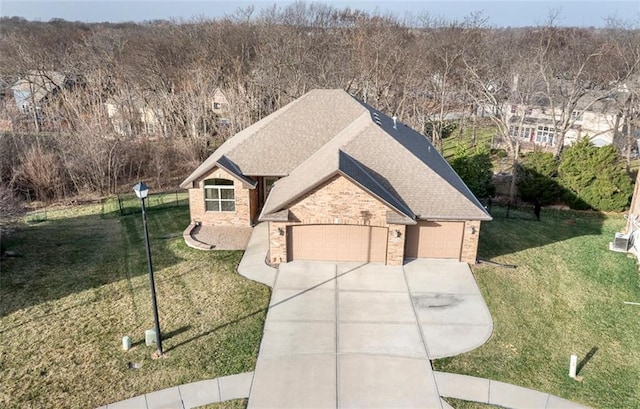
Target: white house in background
[(132, 114), (598, 121)]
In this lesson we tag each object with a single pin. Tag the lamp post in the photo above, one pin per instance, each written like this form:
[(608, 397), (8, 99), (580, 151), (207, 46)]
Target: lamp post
[(142, 190)]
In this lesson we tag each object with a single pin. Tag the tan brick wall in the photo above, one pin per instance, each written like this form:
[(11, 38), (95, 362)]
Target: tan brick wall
[(339, 201), (470, 239), (277, 243), (395, 245), (242, 215)]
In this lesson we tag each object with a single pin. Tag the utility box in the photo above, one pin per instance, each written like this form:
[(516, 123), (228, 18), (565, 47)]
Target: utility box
[(620, 243), (150, 337)]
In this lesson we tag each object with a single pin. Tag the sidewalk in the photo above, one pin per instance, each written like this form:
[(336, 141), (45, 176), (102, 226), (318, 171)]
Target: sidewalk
[(498, 393), (253, 264), (191, 395)]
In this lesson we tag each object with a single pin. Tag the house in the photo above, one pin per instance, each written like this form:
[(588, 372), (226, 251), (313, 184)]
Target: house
[(132, 114), (219, 102), (596, 116), (338, 180), (31, 91)]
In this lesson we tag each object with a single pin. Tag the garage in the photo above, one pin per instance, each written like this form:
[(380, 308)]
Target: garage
[(434, 240), (337, 242)]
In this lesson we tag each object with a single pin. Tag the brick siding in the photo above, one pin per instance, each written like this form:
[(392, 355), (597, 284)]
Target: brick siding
[(470, 241), (338, 201), (242, 214)]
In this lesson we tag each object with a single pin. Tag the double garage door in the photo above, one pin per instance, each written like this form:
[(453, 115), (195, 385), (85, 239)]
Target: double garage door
[(337, 242), (434, 240)]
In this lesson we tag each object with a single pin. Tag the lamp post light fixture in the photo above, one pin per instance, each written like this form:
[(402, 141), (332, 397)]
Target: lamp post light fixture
[(142, 190)]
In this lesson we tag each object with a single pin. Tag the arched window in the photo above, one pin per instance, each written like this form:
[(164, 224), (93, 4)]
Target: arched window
[(219, 195)]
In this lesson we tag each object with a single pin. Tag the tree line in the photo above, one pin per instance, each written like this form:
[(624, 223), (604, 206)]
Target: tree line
[(421, 69)]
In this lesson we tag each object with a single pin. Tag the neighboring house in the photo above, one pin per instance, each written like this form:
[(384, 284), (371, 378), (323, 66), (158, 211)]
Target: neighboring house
[(598, 120), (338, 180), (31, 92), (132, 114), (220, 107), (219, 103)]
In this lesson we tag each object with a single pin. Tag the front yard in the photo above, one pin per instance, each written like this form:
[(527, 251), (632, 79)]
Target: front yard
[(565, 297), (79, 284)]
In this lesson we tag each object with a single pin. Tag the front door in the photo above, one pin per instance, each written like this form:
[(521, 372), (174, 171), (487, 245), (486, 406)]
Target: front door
[(264, 187)]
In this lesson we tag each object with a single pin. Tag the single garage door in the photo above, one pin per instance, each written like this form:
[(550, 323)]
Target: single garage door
[(434, 240), (337, 242)]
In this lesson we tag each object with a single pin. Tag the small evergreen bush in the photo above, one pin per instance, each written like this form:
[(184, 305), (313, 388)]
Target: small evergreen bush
[(475, 169), (537, 178), (594, 177)]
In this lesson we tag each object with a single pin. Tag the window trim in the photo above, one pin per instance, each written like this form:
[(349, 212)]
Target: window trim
[(219, 185)]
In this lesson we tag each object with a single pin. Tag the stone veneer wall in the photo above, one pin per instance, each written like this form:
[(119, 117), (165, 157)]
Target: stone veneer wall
[(470, 239), (242, 215), (338, 201)]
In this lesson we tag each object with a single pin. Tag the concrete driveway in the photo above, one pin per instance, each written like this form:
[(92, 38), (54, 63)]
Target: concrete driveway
[(355, 335)]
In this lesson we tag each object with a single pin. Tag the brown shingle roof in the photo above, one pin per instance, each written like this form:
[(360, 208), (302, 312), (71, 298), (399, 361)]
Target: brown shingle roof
[(328, 132)]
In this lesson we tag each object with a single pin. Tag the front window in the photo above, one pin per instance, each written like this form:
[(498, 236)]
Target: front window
[(219, 195)]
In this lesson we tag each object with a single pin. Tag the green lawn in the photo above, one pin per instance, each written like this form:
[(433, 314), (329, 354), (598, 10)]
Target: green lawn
[(80, 283), (484, 134), (565, 297)]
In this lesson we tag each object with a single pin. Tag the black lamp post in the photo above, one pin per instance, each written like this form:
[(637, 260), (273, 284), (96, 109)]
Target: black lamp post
[(142, 191)]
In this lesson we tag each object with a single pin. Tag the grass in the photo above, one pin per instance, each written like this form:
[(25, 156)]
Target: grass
[(129, 204), (565, 297), (228, 404), (80, 283), (484, 135), (463, 404)]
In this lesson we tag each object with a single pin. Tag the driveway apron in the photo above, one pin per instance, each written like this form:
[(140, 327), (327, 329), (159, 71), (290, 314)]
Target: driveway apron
[(351, 335)]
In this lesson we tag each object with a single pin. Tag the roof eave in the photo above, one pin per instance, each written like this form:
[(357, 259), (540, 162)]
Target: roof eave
[(280, 216), (436, 218)]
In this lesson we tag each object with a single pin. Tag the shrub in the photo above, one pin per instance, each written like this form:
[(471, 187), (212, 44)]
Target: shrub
[(537, 178), (446, 130), (594, 177), (476, 170), (500, 153)]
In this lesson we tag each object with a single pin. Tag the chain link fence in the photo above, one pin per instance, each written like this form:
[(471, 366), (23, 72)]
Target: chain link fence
[(511, 210), (122, 205)]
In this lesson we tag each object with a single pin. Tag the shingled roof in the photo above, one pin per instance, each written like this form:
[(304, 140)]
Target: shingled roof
[(326, 133)]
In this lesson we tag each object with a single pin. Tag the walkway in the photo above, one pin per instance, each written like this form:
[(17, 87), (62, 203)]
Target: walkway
[(498, 393), (191, 395)]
